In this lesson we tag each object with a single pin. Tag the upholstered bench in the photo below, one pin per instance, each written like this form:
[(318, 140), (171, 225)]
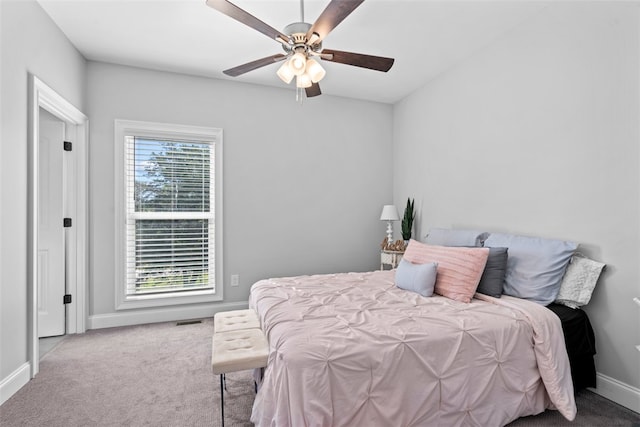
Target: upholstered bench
[(236, 319), (236, 349)]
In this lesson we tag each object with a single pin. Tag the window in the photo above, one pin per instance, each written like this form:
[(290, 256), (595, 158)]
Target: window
[(169, 214)]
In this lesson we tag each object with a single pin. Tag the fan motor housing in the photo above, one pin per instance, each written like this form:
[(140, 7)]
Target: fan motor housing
[(297, 32)]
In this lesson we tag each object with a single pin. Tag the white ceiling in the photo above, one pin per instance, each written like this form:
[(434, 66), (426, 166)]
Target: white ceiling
[(425, 37)]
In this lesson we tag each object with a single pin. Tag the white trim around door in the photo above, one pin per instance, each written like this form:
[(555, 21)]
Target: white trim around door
[(42, 96)]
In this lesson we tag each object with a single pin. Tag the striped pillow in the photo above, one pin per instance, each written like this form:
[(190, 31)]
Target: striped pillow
[(459, 269)]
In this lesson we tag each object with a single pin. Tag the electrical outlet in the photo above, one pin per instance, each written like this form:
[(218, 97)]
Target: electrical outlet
[(235, 280)]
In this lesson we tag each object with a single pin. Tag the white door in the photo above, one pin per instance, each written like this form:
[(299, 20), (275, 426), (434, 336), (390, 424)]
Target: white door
[(51, 233)]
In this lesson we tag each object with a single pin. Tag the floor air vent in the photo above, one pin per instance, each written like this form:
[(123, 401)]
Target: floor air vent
[(188, 322)]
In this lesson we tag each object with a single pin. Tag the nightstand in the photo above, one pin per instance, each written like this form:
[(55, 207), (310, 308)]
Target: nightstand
[(390, 258)]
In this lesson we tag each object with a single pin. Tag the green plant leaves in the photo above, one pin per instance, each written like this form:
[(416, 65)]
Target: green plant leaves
[(407, 219)]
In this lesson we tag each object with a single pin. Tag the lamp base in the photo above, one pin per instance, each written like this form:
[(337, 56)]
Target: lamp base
[(389, 232)]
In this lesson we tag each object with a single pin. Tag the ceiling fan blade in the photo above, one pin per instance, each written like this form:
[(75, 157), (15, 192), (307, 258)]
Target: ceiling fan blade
[(313, 90), (333, 14), (246, 18), (250, 66), (378, 63)]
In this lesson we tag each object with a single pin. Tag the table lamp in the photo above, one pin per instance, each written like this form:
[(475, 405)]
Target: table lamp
[(389, 213)]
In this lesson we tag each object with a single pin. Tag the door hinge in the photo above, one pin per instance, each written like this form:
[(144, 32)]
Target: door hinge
[(66, 299), (68, 146), (66, 222)]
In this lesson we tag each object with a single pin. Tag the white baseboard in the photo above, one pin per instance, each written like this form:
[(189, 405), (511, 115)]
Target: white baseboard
[(167, 314), (617, 391), (14, 382)]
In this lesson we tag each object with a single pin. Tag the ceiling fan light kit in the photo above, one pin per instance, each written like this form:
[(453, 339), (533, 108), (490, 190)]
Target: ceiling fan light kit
[(298, 63), (285, 73), (315, 70), (302, 43), (303, 81)]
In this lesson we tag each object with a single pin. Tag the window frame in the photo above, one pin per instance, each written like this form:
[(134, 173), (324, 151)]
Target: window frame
[(165, 131)]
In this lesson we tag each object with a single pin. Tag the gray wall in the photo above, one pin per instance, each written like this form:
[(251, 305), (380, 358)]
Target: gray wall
[(303, 185), (29, 42), (538, 135)]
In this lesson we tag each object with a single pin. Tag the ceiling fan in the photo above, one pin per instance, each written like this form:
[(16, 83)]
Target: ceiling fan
[(302, 43)]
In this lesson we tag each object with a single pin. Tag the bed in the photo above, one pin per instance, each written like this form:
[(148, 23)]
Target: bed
[(355, 349)]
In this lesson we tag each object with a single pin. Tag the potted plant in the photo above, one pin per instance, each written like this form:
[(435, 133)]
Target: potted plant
[(407, 220)]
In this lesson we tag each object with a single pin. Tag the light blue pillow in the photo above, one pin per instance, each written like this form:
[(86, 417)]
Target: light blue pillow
[(447, 237), (535, 266), (420, 278)]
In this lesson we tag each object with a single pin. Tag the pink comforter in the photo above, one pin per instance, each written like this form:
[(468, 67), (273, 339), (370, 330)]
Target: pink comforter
[(354, 350)]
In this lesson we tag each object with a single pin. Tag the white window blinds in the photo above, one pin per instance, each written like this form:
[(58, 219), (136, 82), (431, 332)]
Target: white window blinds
[(170, 215)]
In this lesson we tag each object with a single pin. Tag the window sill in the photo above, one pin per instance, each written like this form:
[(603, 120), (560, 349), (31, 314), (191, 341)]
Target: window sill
[(169, 299)]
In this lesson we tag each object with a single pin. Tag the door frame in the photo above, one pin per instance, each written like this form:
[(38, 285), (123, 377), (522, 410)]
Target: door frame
[(42, 96)]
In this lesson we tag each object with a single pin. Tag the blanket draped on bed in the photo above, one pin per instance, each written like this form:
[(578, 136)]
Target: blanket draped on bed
[(354, 350)]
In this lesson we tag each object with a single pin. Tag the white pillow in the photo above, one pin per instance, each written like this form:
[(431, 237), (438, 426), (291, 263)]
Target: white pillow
[(579, 281)]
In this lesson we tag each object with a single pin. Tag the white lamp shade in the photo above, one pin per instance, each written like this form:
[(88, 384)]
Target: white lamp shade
[(285, 73), (315, 70), (303, 81), (389, 213), (298, 63)]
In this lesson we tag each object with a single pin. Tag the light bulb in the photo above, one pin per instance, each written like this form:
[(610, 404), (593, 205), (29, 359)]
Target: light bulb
[(303, 81), (298, 63), (315, 70), (285, 73)]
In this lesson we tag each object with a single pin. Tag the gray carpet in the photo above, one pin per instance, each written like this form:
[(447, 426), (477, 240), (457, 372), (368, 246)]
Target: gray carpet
[(160, 375)]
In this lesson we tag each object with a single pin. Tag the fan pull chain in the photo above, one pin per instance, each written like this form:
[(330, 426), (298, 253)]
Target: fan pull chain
[(299, 95)]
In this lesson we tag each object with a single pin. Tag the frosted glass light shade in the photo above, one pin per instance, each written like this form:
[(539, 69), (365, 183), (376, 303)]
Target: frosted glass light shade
[(303, 81), (389, 213), (298, 63), (285, 73), (315, 70)]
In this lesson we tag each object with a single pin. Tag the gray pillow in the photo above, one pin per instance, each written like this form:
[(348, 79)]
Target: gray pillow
[(535, 266), (447, 237), (492, 280), (420, 278)]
